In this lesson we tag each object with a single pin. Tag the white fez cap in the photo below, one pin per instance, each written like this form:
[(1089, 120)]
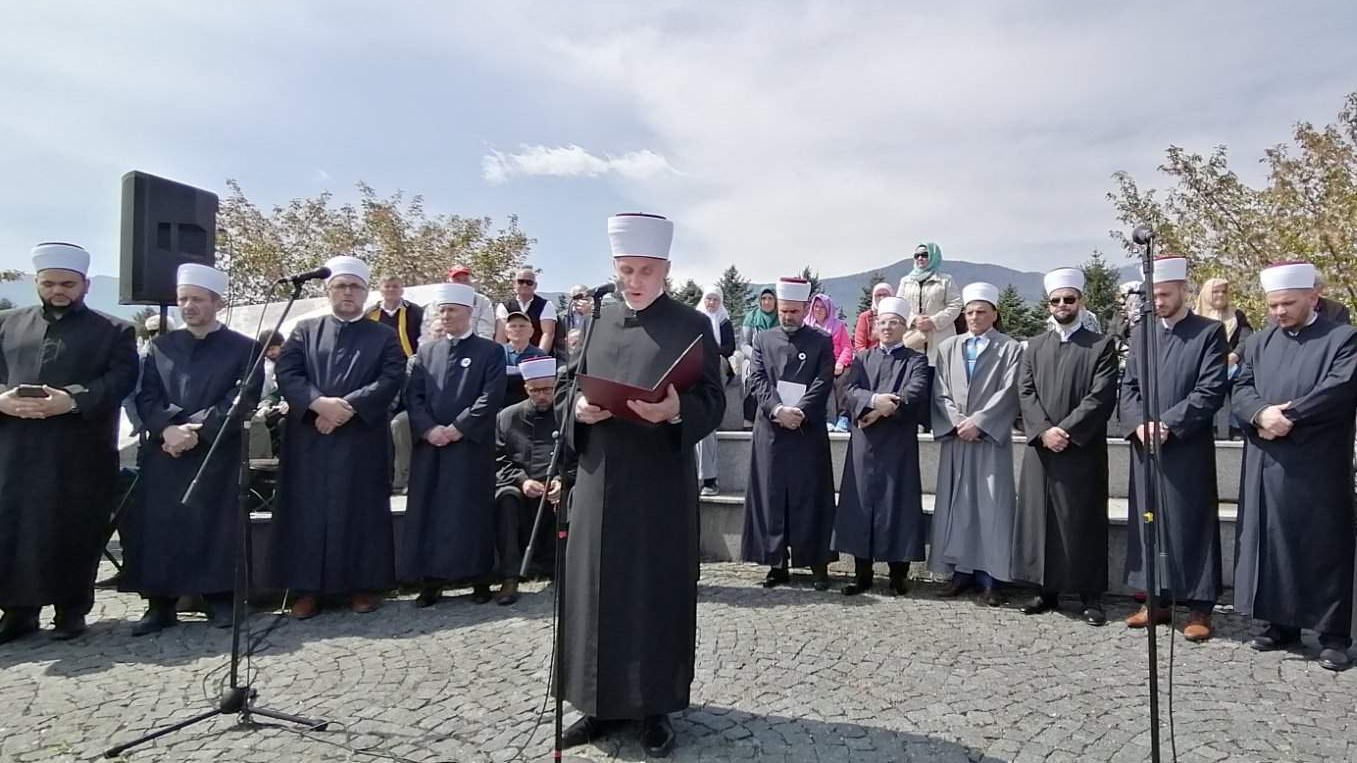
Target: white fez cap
[(57, 256), (1128, 286), (346, 265), (193, 274), (153, 323), (1290, 275), (1063, 278), (454, 294), (634, 234), (893, 306), (793, 289), (981, 291), (1168, 269), (538, 368)]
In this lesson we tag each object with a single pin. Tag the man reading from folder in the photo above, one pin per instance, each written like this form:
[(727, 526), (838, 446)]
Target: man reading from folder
[(631, 567)]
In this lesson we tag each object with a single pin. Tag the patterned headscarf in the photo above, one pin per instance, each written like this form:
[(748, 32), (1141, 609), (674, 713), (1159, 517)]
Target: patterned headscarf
[(934, 262)]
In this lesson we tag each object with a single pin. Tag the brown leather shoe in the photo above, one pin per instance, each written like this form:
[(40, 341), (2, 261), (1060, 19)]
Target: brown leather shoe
[(1141, 619), (1198, 627), (363, 603), (305, 607)]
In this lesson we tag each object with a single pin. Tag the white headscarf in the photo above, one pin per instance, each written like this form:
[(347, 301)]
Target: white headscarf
[(716, 317)]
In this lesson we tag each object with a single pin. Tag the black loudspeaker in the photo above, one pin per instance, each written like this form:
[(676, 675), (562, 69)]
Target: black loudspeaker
[(164, 225)]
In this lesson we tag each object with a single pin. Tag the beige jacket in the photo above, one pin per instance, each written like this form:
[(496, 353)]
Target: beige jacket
[(938, 298)]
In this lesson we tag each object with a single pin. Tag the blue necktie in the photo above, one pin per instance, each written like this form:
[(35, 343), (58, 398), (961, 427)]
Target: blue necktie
[(970, 356)]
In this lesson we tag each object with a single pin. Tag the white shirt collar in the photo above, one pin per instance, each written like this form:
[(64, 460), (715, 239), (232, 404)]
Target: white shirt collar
[(1169, 323), (355, 319), (1066, 332), (463, 335)]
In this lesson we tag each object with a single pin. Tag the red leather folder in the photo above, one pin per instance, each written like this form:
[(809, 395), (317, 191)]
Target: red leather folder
[(613, 395)]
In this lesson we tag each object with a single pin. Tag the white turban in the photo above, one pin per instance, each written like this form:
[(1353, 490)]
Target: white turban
[(193, 274), (57, 256), (345, 265), (538, 368), (893, 306), (1063, 278), (1168, 269), (454, 294), (981, 291), (793, 290), (640, 235), (1291, 275)]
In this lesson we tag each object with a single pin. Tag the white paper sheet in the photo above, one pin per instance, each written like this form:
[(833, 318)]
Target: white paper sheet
[(790, 393)]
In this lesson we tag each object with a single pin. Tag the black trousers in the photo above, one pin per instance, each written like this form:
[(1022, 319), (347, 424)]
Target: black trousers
[(514, 515)]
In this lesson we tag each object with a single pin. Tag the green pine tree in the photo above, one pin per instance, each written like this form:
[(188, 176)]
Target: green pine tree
[(814, 277), (1100, 287), (1020, 319), (689, 293), (736, 294), (865, 301)]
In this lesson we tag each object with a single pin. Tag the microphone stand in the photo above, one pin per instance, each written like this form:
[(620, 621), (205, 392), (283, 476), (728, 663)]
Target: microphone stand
[(562, 530), (1151, 480), (238, 698)]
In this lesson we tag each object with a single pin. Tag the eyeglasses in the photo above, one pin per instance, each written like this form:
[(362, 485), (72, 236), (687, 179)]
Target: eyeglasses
[(525, 282), (1063, 300), (348, 287), (578, 297), (917, 255)]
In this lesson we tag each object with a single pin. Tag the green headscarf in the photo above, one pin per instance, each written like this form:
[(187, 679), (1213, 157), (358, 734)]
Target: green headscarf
[(934, 262), (758, 318)]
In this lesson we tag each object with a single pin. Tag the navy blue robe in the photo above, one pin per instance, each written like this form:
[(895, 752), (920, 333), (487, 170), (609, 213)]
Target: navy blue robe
[(58, 476), (449, 532), (880, 514), (332, 531), (172, 549), (1294, 542)]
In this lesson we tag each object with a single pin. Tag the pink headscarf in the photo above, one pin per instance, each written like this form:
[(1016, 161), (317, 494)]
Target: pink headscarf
[(832, 322)]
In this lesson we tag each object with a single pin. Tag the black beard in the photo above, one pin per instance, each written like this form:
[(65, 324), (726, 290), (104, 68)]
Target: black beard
[(1073, 319)]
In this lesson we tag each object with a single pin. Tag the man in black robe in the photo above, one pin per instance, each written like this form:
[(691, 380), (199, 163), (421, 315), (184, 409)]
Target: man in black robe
[(64, 371), (1190, 374), (789, 506), (1297, 393), (525, 438), (630, 623), (339, 374), (1067, 391), (454, 392), (880, 515), (189, 379)]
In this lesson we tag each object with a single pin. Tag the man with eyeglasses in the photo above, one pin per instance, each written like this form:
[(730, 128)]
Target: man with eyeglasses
[(1067, 390), (339, 374), (539, 310), (880, 515)]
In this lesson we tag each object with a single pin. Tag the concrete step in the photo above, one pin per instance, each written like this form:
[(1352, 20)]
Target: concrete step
[(722, 525), (734, 448)]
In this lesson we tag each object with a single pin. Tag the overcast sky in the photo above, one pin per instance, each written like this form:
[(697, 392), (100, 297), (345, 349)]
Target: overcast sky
[(774, 133)]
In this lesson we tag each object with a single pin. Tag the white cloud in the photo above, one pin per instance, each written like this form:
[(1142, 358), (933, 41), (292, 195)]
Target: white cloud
[(571, 161)]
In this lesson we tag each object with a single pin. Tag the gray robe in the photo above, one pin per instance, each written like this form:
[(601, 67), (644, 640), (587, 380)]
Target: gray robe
[(973, 513)]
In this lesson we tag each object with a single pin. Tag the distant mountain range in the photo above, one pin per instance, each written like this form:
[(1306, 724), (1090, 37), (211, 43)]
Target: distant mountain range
[(844, 290)]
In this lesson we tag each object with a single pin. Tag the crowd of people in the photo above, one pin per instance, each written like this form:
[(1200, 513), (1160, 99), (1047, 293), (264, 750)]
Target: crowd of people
[(472, 391)]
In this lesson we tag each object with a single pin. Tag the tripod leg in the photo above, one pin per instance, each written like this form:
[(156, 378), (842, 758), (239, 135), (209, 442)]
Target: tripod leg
[(115, 752), (311, 724)]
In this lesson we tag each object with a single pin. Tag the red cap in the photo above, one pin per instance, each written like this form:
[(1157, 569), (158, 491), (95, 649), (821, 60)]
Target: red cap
[(458, 270)]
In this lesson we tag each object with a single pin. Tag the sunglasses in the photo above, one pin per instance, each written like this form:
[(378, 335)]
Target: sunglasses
[(1063, 300), (525, 282)]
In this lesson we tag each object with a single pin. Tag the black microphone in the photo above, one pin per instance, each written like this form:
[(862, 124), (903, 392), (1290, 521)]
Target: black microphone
[(310, 275), (1142, 234), (608, 288)]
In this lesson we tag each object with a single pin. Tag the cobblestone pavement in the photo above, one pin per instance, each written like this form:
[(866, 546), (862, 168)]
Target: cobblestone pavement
[(783, 675)]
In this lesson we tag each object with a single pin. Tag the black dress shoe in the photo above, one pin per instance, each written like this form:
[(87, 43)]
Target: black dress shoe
[(14, 627), (1039, 604), (584, 731), (899, 585), (1274, 637), (220, 617), (776, 576), (428, 596), (820, 578), (991, 597), (1334, 659), (158, 617), (1094, 616), (480, 594), (657, 736), (860, 585), (957, 587), (68, 627)]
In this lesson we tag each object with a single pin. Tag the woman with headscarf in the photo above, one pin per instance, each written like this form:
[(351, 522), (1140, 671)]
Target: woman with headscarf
[(761, 318), (713, 307), (935, 299), (824, 315), (864, 333), (1213, 301)]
